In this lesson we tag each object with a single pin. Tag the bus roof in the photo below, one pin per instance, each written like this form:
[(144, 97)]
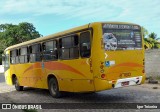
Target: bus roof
[(60, 34)]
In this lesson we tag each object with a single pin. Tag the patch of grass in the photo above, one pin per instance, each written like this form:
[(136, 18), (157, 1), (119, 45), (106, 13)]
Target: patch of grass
[(30, 110)]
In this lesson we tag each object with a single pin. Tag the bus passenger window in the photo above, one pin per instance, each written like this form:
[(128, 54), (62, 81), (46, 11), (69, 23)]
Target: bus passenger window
[(35, 53), (50, 50), (85, 44), (69, 47), (14, 57), (74, 50), (23, 58), (65, 44)]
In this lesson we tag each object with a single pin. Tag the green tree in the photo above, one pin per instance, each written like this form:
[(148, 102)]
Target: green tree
[(13, 34), (151, 41), (153, 35), (147, 43)]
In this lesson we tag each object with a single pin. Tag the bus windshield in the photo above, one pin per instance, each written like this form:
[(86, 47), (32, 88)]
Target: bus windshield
[(121, 37)]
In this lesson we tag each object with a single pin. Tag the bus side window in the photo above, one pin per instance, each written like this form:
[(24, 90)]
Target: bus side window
[(69, 47), (74, 50), (55, 50), (60, 48), (35, 53), (85, 44), (50, 50), (23, 58), (17, 56), (14, 57), (64, 44)]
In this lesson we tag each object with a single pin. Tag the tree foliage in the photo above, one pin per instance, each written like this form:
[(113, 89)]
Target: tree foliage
[(150, 40), (13, 34)]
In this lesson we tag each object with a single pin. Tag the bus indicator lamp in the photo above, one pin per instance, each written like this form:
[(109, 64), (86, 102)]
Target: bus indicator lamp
[(103, 76)]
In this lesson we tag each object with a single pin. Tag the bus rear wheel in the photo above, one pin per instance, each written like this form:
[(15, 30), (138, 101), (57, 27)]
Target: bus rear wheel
[(17, 86), (54, 88)]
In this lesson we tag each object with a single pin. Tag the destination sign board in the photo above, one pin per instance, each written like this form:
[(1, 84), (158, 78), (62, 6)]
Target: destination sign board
[(121, 26)]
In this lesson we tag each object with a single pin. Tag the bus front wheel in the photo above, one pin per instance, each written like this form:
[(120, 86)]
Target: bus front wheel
[(53, 88), (17, 86)]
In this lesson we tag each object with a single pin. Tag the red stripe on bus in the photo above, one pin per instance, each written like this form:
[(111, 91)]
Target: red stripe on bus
[(54, 66), (61, 66)]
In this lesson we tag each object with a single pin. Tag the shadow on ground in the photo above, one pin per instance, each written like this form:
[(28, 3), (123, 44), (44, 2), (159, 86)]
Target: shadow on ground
[(32, 95)]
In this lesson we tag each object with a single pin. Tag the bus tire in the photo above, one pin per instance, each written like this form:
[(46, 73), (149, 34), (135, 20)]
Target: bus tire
[(17, 86), (54, 88)]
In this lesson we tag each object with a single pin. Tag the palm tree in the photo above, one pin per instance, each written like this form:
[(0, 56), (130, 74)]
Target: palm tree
[(151, 41), (154, 36)]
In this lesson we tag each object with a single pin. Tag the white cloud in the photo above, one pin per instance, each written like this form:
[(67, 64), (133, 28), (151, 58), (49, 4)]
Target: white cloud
[(144, 12), (84, 9), (67, 7)]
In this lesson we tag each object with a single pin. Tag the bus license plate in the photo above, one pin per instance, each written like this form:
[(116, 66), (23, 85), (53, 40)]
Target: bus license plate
[(125, 83)]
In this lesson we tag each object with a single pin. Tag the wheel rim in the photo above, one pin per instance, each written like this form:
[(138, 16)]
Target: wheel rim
[(53, 88), (16, 83)]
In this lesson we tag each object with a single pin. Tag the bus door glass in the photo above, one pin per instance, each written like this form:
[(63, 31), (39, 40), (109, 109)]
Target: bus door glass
[(85, 49)]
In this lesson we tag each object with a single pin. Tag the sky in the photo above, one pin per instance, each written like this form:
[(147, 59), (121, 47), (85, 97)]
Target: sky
[(52, 16)]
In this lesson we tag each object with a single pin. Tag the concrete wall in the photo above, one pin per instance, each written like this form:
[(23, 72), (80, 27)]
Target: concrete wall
[(152, 65)]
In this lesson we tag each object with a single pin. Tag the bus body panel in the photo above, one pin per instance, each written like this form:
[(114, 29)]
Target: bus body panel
[(125, 64), (70, 73), (8, 77)]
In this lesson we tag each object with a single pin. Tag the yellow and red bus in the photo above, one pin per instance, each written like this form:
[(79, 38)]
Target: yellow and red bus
[(93, 57)]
